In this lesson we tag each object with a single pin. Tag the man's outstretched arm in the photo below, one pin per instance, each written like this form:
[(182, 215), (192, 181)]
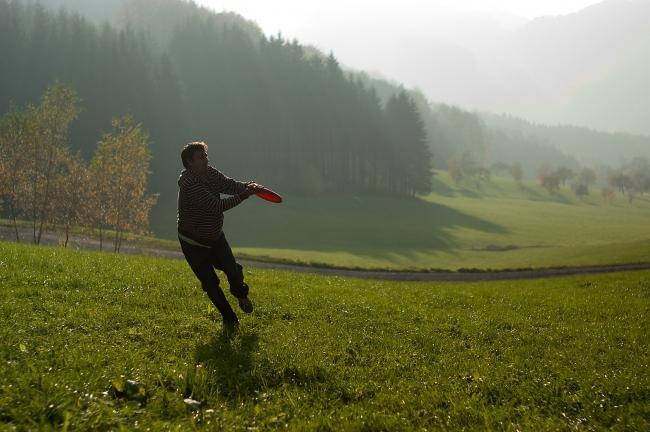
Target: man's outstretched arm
[(220, 183), (200, 197)]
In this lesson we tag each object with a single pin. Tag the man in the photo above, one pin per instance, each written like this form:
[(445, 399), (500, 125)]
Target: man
[(200, 222)]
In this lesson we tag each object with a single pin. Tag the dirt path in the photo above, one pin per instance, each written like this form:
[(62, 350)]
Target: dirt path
[(90, 243)]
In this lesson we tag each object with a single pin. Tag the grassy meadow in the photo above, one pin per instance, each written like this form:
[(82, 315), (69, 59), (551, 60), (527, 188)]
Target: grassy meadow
[(111, 342), (495, 226)]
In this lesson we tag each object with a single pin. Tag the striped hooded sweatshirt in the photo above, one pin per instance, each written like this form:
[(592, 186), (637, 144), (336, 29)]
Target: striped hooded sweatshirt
[(200, 207)]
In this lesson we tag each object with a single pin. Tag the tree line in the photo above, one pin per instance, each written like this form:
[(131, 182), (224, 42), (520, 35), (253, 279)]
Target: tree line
[(44, 182), (631, 179)]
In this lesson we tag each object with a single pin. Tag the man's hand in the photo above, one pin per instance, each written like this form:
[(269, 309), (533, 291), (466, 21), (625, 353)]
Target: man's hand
[(251, 185), (251, 189)]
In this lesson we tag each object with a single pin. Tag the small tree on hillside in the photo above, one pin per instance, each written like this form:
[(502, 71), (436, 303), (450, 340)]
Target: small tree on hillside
[(548, 180), (455, 169), (631, 196), (47, 153), (72, 196), (608, 194), (581, 189), (639, 173), (587, 176), (517, 173), (500, 168), (564, 174), (99, 195), (121, 163), (13, 141), (620, 181)]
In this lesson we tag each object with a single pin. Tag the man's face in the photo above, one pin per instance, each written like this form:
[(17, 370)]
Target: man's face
[(199, 162)]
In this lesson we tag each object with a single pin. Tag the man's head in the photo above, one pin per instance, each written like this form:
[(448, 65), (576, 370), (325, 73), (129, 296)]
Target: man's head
[(195, 157)]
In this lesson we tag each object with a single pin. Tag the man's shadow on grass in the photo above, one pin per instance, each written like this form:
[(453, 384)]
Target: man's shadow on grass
[(233, 370), (228, 358)]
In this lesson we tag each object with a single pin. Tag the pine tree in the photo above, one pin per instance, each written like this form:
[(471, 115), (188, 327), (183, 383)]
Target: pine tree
[(411, 172)]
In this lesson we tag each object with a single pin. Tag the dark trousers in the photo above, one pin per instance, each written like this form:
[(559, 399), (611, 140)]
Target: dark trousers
[(203, 261)]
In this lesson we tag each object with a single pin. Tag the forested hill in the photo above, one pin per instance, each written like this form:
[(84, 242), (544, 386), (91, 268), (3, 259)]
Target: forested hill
[(267, 111), (589, 146)]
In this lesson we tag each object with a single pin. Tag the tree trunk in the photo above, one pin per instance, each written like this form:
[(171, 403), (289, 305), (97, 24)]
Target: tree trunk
[(117, 230), (67, 230), (40, 231), (119, 244), (48, 179), (13, 216)]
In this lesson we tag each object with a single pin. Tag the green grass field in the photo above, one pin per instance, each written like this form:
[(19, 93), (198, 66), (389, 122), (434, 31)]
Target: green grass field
[(497, 226), (318, 353)]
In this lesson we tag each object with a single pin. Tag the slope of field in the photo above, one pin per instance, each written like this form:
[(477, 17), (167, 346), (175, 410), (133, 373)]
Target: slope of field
[(105, 341), (495, 226)]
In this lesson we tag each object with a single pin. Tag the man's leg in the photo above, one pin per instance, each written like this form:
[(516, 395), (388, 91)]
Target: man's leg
[(224, 260), (199, 260)]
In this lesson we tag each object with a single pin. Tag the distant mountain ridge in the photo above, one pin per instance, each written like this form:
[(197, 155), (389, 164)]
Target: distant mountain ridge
[(587, 146), (590, 67)]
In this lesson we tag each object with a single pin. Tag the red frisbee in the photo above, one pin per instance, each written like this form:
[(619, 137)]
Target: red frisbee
[(268, 195)]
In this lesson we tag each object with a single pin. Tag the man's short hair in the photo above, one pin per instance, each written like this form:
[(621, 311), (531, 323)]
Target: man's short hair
[(190, 148)]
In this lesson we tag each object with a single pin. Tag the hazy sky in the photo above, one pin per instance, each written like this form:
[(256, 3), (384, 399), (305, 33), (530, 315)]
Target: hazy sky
[(363, 33), (286, 15), (372, 34)]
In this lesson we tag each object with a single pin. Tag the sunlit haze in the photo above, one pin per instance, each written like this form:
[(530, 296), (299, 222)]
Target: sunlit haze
[(377, 35), (321, 23), (467, 52)]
